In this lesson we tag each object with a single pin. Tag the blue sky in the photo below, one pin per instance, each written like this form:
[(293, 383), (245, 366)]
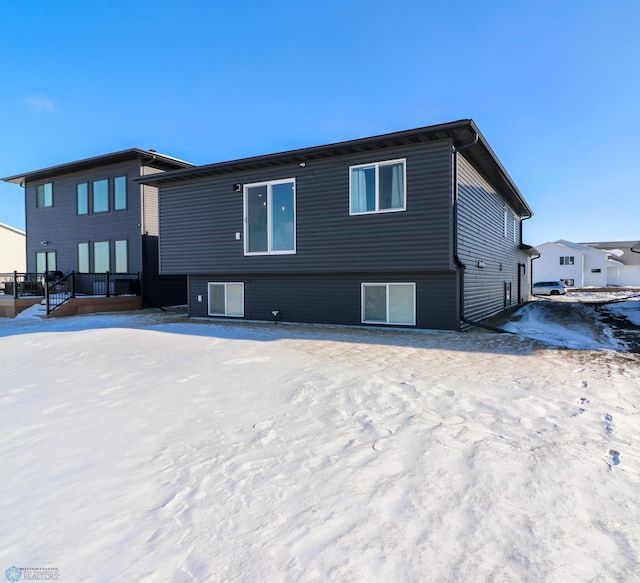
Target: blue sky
[(553, 86)]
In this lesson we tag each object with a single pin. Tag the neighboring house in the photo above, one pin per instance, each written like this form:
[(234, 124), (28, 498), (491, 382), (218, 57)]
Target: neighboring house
[(576, 265), (12, 249), (91, 216), (626, 269), (416, 228)]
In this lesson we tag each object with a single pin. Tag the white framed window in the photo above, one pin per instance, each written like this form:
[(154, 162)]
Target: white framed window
[(379, 187), (389, 303), (516, 224), (506, 224), (226, 299), (270, 217)]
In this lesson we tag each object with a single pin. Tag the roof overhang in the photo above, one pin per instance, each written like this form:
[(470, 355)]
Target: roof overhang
[(147, 157), (460, 133)]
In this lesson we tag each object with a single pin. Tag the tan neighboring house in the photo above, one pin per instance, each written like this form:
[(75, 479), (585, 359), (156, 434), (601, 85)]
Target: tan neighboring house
[(13, 255)]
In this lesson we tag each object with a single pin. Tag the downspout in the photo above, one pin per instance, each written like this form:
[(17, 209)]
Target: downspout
[(522, 220), (456, 258)]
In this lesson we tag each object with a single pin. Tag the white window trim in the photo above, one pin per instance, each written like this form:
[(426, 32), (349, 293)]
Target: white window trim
[(225, 284), (268, 184), (377, 165), (386, 285)]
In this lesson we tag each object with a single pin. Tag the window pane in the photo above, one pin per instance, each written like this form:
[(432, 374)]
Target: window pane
[(101, 256), (363, 189), (401, 304), (82, 195), (282, 238), (216, 299), (375, 303), (391, 191), (120, 192), (121, 256), (83, 257), (257, 219), (44, 195), (100, 196), (234, 299)]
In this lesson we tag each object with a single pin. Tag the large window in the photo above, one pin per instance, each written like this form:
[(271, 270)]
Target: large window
[(44, 195), (46, 261), (226, 299), (270, 217), (101, 195), (389, 303), (376, 188), (120, 248), (567, 260), (82, 198), (120, 193), (101, 262), (83, 257)]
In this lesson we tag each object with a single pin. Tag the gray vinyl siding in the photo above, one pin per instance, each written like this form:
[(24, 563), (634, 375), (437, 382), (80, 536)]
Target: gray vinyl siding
[(481, 239), (199, 219), (149, 203), (63, 228), (330, 298)]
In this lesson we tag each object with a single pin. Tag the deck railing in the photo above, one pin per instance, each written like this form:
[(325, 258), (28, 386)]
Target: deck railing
[(57, 288)]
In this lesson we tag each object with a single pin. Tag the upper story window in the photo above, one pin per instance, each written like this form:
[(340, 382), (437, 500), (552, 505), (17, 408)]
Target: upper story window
[(377, 188), (82, 197), (44, 195), (516, 225), (567, 260), (101, 195), (270, 217), (120, 193)]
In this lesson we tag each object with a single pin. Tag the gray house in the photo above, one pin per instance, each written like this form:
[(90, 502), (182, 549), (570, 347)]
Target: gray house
[(91, 217), (419, 228)]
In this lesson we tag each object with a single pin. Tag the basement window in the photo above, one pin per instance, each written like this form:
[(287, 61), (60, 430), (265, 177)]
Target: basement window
[(389, 303), (226, 299)]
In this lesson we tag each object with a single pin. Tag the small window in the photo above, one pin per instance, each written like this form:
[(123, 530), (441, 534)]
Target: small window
[(597, 270), (270, 217), (101, 195), (505, 224), (83, 257), (567, 260), (516, 224), (568, 282), (121, 254), (226, 299), (120, 193), (101, 262), (44, 195), (82, 198), (389, 303), (377, 188)]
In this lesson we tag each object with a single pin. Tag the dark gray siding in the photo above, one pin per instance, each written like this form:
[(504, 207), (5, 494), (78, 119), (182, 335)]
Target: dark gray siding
[(199, 219), (63, 228), (481, 238), (331, 299)]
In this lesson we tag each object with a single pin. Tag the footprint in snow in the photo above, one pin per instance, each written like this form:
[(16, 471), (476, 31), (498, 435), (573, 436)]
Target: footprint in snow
[(615, 456), (608, 423)]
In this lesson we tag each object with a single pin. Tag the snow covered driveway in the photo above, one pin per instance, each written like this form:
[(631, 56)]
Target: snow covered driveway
[(145, 447)]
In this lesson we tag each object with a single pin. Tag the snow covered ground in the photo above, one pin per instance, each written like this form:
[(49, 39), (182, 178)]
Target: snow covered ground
[(147, 447)]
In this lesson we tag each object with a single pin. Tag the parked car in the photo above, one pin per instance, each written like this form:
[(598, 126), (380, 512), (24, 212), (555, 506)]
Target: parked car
[(549, 288)]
